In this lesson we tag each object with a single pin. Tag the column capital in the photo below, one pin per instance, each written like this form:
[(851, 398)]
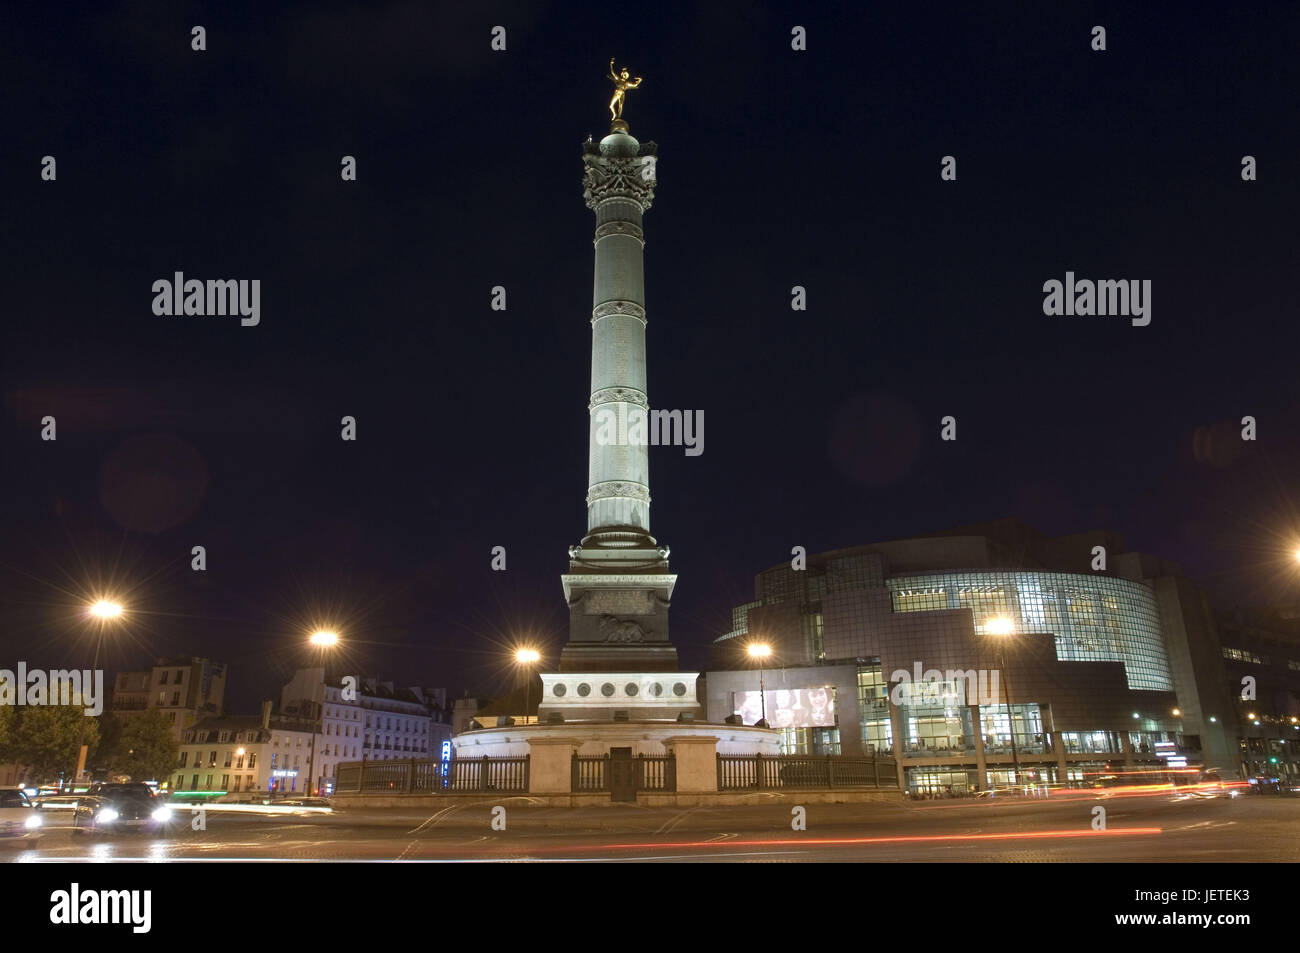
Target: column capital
[(608, 178)]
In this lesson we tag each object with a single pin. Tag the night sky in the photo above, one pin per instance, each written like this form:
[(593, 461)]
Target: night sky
[(776, 168)]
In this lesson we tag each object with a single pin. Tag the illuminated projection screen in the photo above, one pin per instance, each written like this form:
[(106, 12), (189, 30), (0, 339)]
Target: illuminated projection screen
[(788, 708)]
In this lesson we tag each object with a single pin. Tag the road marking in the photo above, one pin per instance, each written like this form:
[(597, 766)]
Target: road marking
[(676, 819), (434, 819)]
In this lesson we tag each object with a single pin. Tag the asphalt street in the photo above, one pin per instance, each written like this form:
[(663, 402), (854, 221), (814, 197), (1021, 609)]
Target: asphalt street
[(1248, 829)]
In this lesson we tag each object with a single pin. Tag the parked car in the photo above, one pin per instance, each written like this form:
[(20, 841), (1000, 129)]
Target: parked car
[(19, 819), (121, 808)]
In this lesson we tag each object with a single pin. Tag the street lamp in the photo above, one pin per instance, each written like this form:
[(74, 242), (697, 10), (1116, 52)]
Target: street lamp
[(106, 609), (322, 639), (1004, 627), (103, 611), (528, 658), (761, 651)]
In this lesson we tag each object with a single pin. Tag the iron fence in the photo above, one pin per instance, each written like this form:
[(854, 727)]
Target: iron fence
[(652, 773), (589, 774), (771, 772), (658, 772), (457, 776)]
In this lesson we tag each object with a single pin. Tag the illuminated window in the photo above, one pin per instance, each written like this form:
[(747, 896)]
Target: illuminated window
[(1093, 618)]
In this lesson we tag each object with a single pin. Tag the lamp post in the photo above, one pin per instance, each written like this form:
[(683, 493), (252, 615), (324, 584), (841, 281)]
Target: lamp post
[(760, 651), (104, 611), (527, 658), (1005, 627), (323, 639)]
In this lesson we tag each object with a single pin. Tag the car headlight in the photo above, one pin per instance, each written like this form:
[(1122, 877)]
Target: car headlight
[(105, 815), (32, 822), (163, 814)]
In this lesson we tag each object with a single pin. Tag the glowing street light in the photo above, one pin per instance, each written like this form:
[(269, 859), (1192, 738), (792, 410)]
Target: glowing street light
[(1000, 626), (1003, 626), (528, 658), (323, 639), (106, 609), (761, 651)]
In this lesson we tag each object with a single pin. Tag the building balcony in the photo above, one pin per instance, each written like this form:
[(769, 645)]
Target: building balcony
[(939, 751)]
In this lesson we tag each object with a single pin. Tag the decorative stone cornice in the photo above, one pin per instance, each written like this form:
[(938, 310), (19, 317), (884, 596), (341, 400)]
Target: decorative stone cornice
[(576, 584), (620, 228), (606, 308), (618, 488), (618, 177), (627, 395)]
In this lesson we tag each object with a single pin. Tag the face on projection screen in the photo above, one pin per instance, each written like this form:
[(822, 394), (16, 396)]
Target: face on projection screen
[(788, 708)]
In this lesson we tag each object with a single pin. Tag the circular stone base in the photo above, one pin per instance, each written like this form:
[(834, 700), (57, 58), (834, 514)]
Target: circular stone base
[(597, 737)]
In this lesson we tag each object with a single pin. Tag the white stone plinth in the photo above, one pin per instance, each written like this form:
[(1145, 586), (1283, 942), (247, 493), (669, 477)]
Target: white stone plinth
[(697, 763), (550, 767)]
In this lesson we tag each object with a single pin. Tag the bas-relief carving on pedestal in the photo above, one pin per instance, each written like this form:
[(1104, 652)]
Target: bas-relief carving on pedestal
[(611, 602), (623, 630)]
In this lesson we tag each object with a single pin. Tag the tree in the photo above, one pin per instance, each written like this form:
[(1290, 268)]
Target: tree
[(142, 746), (8, 725), (47, 738)]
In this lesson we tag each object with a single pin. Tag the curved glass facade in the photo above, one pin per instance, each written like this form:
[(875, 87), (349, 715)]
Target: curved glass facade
[(1094, 618)]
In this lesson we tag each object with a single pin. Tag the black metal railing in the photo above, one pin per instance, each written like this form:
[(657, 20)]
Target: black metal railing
[(653, 773), (658, 772), (589, 774), (772, 772), (412, 776)]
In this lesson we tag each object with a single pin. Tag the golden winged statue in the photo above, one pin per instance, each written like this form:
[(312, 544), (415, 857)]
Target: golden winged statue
[(623, 81)]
